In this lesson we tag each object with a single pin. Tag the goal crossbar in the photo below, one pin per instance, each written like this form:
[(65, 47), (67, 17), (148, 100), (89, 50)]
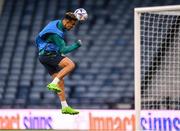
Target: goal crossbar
[(157, 8)]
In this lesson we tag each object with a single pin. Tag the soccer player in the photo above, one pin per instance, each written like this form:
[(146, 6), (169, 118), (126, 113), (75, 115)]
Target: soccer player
[(52, 49)]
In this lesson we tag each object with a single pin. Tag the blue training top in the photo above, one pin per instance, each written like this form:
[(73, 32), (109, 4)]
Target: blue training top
[(49, 28), (52, 28)]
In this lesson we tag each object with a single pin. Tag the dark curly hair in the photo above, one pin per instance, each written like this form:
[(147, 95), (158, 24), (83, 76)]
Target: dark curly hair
[(70, 16)]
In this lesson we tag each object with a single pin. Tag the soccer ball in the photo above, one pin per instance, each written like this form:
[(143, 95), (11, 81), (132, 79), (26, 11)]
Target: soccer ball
[(81, 14)]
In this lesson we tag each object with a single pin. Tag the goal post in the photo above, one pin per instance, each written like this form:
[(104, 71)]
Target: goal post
[(156, 59)]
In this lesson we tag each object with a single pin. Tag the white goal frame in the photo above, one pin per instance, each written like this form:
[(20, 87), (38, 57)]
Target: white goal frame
[(137, 54)]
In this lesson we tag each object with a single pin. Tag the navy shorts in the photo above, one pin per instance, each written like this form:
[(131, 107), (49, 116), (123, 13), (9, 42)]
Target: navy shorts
[(50, 62)]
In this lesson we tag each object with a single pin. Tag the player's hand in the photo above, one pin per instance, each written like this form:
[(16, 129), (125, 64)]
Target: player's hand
[(79, 42)]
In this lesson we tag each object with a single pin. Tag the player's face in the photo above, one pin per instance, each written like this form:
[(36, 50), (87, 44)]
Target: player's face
[(69, 24)]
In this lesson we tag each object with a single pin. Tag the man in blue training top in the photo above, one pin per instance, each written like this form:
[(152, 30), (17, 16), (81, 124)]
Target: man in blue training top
[(52, 49)]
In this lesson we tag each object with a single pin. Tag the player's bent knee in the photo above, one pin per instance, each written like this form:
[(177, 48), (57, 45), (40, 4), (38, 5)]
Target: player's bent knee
[(71, 65)]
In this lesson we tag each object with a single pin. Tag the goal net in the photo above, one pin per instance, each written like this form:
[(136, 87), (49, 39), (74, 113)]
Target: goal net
[(157, 58)]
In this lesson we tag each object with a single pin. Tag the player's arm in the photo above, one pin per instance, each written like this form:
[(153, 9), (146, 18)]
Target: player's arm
[(64, 48)]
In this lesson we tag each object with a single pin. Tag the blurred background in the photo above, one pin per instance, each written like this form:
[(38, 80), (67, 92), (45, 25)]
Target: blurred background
[(104, 74)]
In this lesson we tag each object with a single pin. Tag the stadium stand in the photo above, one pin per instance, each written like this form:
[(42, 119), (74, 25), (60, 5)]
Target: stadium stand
[(104, 76)]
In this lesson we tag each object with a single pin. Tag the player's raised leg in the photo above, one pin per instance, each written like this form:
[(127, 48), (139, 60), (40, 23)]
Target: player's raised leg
[(67, 66)]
